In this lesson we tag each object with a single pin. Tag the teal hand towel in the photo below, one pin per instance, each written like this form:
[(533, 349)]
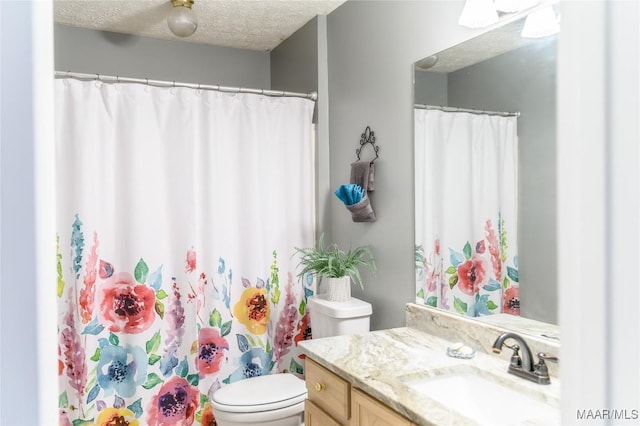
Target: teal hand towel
[(350, 194)]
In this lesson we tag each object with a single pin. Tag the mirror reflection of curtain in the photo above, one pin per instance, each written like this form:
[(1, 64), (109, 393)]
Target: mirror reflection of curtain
[(466, 212), (178, 213)]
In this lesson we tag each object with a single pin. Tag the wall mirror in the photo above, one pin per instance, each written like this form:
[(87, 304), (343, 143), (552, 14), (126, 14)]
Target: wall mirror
[(485, 178)]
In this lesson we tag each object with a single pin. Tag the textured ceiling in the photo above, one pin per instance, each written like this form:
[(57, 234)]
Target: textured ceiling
[(244, 24)]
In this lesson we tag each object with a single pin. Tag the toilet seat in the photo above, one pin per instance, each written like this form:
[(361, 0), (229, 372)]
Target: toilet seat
[(259, 394)]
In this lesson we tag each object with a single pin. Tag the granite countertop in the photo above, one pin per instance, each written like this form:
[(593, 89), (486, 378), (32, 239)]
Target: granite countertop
[(381, 362)]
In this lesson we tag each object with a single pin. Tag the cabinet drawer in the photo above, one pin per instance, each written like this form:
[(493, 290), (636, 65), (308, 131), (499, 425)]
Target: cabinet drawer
[(314, 416), (367, 411), (328, 391)]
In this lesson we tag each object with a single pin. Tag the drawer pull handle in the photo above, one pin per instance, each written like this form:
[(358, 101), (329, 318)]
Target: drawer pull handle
[(320, 387)]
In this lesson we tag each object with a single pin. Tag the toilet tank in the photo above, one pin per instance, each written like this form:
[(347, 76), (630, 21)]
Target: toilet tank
[(338, 318)]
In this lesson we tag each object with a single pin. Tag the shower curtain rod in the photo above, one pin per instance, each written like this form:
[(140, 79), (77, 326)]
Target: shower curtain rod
[(471, 111), (111, 79)]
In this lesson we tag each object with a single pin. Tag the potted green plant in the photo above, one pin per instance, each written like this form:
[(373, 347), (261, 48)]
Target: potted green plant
[(338, 266)]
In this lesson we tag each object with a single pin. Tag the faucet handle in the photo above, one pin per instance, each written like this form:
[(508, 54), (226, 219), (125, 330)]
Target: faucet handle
[(546, 357), (516, 361), (541, 369)]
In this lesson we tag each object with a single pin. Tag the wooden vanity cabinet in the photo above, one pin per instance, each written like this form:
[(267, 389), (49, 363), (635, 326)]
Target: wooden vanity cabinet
[(367, 411), (332, 401), (327, 392)]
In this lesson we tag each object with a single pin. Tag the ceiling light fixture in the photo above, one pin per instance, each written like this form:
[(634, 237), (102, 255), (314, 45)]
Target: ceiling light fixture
[(541, 23), (182, 20), (478, 14), (426, 63), (510, 6)]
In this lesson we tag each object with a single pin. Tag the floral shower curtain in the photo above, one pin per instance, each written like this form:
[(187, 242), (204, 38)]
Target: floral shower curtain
[(466, 212), (178, 211)]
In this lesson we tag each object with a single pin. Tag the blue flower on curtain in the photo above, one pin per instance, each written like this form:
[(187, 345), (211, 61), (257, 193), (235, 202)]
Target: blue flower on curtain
[(254, 362), (122, 369)]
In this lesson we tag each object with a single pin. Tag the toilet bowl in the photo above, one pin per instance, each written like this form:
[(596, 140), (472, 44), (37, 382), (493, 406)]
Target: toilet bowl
[(271, 400), (278, 399)]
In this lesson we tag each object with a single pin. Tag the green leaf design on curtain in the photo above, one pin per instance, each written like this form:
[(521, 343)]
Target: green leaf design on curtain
[(59, 267), (183, 368), (275, 281), (432, 301), (295, 367), (153, 344), (141, 271), (136, 408), (153, 358), (159, 309), (451, 270), (193, 379), (215, 319), (513, 274), (113, 339), (491, 305), (467, 251), (161, 295), (453, 280), (96, 355), (152, 380), (460, 306), (420, 294), (225, 328), (63, 400), (503, 239)]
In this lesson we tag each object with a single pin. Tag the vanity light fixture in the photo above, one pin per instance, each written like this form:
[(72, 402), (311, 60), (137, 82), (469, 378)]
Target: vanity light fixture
[(510, 6), (182, 20), (541, 23), (478, 14)]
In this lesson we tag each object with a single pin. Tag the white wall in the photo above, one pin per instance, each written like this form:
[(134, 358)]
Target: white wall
[(598, 209), (28, 361)]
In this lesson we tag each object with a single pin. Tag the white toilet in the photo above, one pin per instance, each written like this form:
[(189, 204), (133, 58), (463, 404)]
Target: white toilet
[(278, 399)]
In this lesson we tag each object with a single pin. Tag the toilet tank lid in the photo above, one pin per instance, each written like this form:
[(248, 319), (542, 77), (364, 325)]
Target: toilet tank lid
[(352, 309), (270, 392)]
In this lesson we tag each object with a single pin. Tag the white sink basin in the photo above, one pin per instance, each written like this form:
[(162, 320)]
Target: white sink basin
[(485, 401)]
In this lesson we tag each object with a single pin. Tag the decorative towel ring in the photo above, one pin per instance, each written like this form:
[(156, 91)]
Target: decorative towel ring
[(368, 137)]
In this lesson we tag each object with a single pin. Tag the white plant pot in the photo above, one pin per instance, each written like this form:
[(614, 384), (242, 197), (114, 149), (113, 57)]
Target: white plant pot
[(339, 289)]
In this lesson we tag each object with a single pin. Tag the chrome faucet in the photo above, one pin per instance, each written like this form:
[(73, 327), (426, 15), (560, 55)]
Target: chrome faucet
[(523, 366)]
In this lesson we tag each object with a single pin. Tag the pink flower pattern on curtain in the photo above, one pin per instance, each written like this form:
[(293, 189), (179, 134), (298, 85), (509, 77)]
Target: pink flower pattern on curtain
[(160, 309), (466, 212)]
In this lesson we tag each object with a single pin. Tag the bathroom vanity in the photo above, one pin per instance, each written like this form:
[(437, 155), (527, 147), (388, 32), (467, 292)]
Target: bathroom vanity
[(332, 401), (403, 376)]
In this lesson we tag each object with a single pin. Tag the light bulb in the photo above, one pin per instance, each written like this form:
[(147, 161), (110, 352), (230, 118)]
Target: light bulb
[(510, 6), (426, 63), (478, 14), (541, 23), (182, 20)]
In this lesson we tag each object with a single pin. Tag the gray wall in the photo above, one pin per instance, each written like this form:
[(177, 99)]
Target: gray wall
[(524, 80), (294, 63), (372, 46), (108, 53), (430, 88), (300, 64)]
